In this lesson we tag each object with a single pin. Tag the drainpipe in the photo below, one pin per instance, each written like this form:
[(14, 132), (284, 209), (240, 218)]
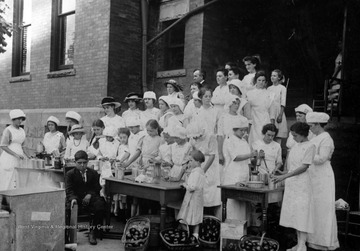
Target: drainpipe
[(144, 19)]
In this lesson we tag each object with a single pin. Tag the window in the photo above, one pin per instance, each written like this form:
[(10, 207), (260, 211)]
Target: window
[(22, 37), (174, 46), (63, 35)]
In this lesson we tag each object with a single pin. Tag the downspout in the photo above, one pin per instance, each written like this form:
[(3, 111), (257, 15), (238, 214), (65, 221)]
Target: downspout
[(144, 19)]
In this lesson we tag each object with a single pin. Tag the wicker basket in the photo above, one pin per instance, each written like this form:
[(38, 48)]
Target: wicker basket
[(131, 222), (210, 244), (154, 239), (273, 245), (178, 247)]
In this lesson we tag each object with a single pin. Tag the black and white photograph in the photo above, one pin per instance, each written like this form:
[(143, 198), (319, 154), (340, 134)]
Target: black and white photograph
[(180, 125)]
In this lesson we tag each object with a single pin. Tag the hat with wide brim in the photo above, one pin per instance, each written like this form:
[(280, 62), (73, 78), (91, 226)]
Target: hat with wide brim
[(172, 82), (240, 122), (178, 131), (73, 115), (132, 121), (238, 83), (77, 128), (53, 119), (133, 96), (17, 113), (110, 101)]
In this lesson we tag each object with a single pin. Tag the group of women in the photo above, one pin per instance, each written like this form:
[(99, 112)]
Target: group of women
[(239, 120)]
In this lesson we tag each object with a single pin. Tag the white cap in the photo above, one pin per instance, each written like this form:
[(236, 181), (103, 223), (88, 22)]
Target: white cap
[(17, 113), (304, 108), (54, 120), (230, 99), (73, 115), (317, 117), (150, 94), (196, 96), (166, 99), (132, 121), (179, 132), (241, 122), (110, 131), (178, 102), (238, 83)]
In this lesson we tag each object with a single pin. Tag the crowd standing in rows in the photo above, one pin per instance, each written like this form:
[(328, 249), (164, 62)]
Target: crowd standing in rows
[(205, 142)]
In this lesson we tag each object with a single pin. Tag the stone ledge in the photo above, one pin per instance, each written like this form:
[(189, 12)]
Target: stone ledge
[(22, 78), (169, 74), (62, 73)]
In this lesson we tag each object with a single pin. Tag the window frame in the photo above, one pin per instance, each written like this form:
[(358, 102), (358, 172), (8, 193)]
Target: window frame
[(18, 41), (168, 46), (57, 36)]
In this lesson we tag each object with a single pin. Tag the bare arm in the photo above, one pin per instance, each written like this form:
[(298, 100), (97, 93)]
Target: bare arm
[(209, 162), (11, 152), (297, 171), (133, 158)]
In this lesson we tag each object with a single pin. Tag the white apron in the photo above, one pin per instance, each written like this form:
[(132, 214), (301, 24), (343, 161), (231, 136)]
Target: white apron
[(236, 171), (9, 162), (298, 206), (260, 101), (323, 185)]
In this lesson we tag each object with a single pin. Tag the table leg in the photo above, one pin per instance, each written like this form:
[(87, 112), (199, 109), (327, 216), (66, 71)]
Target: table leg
[(224, 209), (264, 219), (108, 210), (162, 216)]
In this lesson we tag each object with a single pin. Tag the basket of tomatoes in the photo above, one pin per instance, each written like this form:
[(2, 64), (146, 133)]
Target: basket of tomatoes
[(177, 238), (250, 243), (136, 234), (209, 234)]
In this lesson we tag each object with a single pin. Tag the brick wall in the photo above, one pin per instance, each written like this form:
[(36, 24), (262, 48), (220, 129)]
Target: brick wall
[(124, 49), (86, 88)]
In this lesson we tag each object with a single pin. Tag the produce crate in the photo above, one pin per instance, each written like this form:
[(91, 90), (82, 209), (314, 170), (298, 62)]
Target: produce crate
[(231, 232), (177, 239), (249, 243), (209, 234), (136, 234)]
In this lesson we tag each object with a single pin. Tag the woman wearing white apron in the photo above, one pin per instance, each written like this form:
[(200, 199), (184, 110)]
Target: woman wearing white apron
[(297, 209), (12, 150), (280, 102), (54, 141), (262, 107), (325, 236), (237, 168)]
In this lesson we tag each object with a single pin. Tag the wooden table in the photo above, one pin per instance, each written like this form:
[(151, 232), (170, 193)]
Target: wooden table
[(264, 196), (28, 178), (164, 192)]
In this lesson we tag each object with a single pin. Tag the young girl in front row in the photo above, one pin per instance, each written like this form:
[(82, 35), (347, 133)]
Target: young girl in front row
[(123, 155), (180, 153), (148, 146), (192, 206)]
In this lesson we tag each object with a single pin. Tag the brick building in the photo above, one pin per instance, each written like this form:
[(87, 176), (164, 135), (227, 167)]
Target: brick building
[(67, 55)]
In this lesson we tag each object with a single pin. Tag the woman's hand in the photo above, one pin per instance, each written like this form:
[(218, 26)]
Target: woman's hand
[(279, 118), (221, 159), (20, 156), (278, 178)]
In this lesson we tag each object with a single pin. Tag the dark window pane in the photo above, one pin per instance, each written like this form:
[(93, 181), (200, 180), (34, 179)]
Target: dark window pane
[(67, 6), (26, 49), (67, 40)]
